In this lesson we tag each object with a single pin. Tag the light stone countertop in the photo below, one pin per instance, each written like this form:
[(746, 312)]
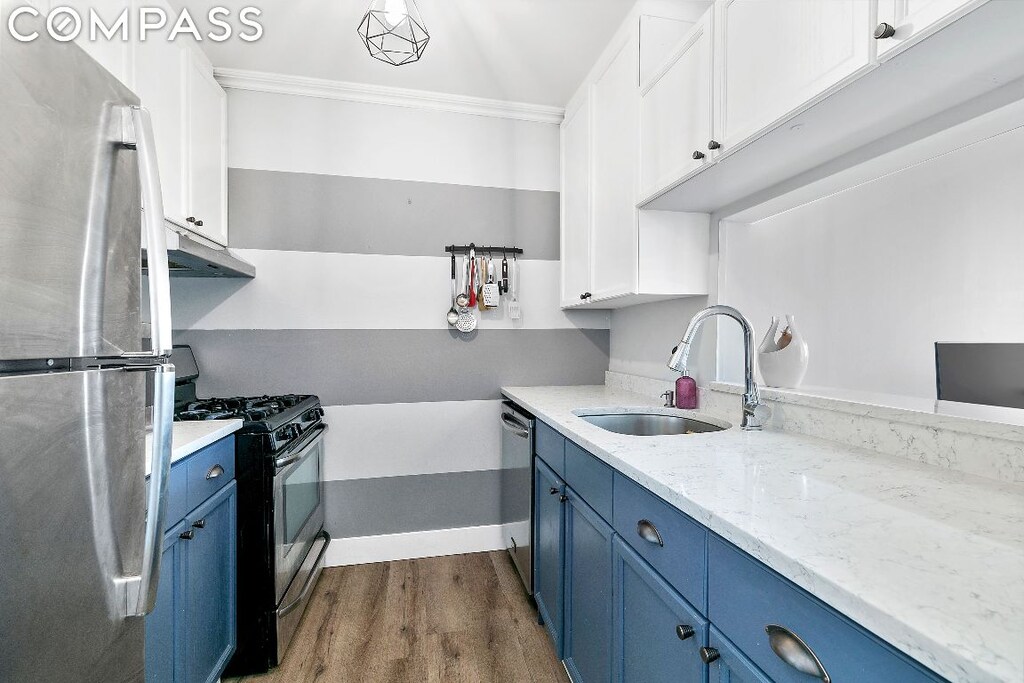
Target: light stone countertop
[(189, 437), (930, 560)]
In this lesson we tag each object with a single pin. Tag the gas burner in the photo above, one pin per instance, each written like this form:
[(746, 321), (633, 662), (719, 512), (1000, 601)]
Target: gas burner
[(254, 410)]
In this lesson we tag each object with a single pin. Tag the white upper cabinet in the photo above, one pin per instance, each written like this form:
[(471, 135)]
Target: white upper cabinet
[(676, 113), (911, 20), (773, 57), (614, 254), (206, 152), (616, 124), (575, 197), (804, 88), (159, 81)]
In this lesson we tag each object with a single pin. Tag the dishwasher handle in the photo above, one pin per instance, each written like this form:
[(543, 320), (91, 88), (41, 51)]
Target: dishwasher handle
[(512, 424)]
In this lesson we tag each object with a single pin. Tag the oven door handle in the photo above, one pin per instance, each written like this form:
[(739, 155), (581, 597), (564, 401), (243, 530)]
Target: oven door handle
[(301, 451), (310, 580)]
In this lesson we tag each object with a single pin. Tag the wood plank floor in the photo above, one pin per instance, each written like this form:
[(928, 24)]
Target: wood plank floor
[(463, 618)]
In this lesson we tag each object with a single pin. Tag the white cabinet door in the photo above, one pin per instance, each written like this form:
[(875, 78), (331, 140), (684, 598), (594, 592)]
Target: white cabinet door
[(616, 122), (775, 56), (160, 69), (207, 151), (676, 113), (575, 240), (915, 19)]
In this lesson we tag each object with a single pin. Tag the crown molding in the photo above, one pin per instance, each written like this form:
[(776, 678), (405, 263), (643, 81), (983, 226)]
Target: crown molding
[(258, 81)]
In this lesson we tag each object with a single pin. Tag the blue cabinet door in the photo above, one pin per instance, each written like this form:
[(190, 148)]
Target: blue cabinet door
[(588, 593), (728, 665), (210, 587), (658, 635), (164, 661), (549, 543)]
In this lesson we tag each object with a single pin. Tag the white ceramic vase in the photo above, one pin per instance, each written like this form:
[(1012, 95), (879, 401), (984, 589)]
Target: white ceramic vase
[(786, 367)]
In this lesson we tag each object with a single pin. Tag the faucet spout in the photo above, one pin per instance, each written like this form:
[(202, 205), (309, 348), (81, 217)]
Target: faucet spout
[(751, 395)]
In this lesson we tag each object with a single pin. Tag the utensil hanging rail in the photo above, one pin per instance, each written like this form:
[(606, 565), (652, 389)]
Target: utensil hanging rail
[(464, 249)]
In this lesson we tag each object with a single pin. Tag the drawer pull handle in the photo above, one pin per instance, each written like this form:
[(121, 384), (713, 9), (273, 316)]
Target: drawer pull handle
[(649, 532), (214, 472), (554, 491), (199, 523), (685, 631), (187, 535), (708, 654), (791, 649)]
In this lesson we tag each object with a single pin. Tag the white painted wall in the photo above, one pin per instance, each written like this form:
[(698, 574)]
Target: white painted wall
[(878, 273), (361, 292), (273, 132)]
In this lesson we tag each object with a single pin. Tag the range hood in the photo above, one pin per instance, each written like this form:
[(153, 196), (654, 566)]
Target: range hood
[(191, 256)]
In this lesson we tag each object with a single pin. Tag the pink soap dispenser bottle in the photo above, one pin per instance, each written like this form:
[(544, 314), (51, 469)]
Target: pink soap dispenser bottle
[(686, 393)]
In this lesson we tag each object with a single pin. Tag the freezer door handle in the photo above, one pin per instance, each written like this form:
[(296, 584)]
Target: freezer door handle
[(140, 591), (138, 134)]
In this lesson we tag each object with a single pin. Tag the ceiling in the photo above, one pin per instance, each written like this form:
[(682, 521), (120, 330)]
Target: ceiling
[(535, 51)]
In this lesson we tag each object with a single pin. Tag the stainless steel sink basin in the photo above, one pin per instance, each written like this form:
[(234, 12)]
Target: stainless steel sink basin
[(650, 424)]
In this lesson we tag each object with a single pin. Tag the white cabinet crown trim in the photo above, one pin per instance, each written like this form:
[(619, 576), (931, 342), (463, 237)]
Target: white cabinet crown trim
[(282, 84)]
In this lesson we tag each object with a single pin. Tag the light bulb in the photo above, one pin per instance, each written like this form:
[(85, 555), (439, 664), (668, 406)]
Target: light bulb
[(395, 11)]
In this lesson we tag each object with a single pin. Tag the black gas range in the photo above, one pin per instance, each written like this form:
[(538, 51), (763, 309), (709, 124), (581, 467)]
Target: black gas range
[(279, 460)]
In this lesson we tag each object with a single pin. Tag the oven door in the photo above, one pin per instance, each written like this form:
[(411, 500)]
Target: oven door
[(298, 505)]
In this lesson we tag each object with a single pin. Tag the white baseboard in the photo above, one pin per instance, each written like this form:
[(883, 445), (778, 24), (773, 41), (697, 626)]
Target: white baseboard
[(416, 544)]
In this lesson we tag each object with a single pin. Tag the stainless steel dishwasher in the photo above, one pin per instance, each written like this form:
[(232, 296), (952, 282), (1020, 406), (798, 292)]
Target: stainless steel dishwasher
[(517, 488)]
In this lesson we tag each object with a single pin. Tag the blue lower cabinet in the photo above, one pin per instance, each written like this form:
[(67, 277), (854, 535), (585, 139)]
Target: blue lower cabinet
[(210, 587), (588, 590), (658, 635), (191, 634), (164, 659), (548, 549), (727, 665)]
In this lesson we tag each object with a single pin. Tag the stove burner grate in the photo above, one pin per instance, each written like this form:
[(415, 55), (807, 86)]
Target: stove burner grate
[(250, 409)]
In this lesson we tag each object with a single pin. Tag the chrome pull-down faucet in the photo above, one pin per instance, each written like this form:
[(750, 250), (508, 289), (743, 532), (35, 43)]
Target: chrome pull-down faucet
[(751, 396)]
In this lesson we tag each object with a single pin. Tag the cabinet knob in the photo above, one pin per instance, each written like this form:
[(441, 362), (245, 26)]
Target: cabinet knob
[(685, 631), (791, 649), (190, 219), (562, 498), (585, 295), (714, 144), (199, 224), (553, 491), (884, 31), (187, 535), (698, 155), (199, 524), (709, 654)]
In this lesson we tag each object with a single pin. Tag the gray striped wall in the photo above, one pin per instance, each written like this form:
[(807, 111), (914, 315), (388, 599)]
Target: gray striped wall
[(374, 216), (380, 369)]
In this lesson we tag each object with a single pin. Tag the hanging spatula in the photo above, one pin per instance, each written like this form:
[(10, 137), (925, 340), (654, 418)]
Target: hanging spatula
[(513, 303)]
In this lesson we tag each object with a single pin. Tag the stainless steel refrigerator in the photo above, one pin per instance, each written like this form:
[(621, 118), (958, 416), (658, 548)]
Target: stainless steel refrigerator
[(79, 556)]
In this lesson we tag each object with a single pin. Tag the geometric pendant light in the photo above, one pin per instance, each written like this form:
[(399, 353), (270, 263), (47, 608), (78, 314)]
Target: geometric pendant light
[(393, 31)]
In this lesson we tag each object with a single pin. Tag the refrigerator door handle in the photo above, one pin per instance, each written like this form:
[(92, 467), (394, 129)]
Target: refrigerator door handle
[(140, 591), (137, 133)]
